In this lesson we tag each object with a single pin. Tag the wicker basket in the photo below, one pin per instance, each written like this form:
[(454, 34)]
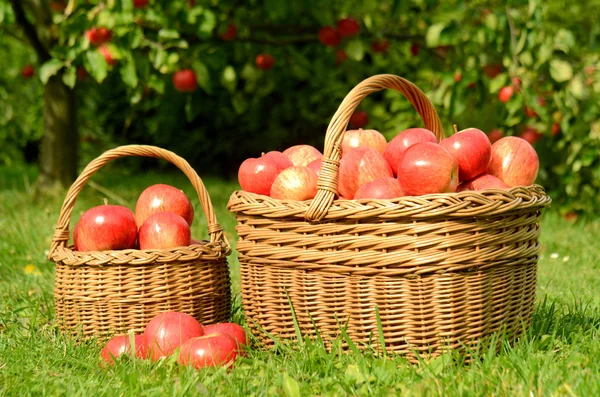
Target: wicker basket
[(436, 272), (107, 292)]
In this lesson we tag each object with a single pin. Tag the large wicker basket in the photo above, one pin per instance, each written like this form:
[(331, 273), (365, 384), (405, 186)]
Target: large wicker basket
[(107, 292), (435, 272)]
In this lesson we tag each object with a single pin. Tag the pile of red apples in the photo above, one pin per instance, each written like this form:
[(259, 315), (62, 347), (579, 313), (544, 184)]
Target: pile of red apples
[(413, 163)]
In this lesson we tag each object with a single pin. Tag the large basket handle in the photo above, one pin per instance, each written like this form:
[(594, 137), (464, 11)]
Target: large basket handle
[(61, 231), (328, 179)]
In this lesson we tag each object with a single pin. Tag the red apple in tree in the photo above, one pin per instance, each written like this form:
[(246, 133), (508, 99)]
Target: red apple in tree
[(472, 149), (483, 181), (492, 70), (98, 36), (381, 45), (359, 119), (348, 27), (340, 56), (506, 93), (530, 134), (514, 161), (329, 37), (160, 198), (494, 135), (264, 61), (516, 82), (104, 50), (541, 101), (164, 230), (530, 112), (302, 155), (209, 351), (457, 77), (363, 138), (295, 183), (396, 147), (106, 227), (121, 344), (140, 3), (359, 166), (230, 33), (169, 330), (185, 80), (234, 330), (427, 167), (380, 189), (256, 175), (81, 73), (27, 71), (316, 166), (414, 49), (555, 129)]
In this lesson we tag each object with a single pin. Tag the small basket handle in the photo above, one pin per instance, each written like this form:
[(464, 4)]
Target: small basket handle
[(328, 179), (61, 231)]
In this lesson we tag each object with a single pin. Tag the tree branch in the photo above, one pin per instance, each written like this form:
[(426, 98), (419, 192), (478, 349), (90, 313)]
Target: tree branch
[(30, 31)]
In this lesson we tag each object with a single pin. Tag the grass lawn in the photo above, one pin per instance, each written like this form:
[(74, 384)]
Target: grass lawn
[(559, 356)]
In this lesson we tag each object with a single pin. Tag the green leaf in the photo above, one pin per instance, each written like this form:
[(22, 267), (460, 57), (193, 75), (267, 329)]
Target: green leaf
[(564, 40), (229, 78), (96, 65), (498, 82), (560, 70), (70, 77), (49, 69), (355, 50), (276, 8), (354, 375), (576, 87), (128, 72), (432, 38), (167, 34), (202, 76), (208, 23), (290, 386), (157, 84)]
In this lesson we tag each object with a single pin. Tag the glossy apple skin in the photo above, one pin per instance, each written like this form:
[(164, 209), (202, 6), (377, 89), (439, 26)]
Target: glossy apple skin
[(164, 230), (360, 166), (472, 149), (316, 166), (363, 138), (484, 181), (514, 161), (105, 227), (295, 183), (209, 351), (236, 331), (427, 167), (302, 155), (396, 147), (256, 175), (121, 344), (169, 330), (185, 80), (160, 198), (381, 189)]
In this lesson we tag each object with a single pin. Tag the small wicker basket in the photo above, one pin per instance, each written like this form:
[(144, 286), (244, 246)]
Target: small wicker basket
[(437, 272), (99, 293)]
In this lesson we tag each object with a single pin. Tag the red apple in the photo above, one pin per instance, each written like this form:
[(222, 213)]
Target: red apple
[(506, 93), (340, 56), (555, 129), (363, 138), (514, 161), (316, 166), (492, 70), (169, 330), (230, 33), (295, 183), (381, 189), (256, 175), (457, 77), (396, 147), (106, 227), (302, 155), (494, 135), (27, 71), (381, 45), (531, 134), (121, 344), (541, 101), (265, 61), (209, 351), (329, 37), (472, 149), (140, 3), (235, 331), (98, 36), (427, 167), (160, 198), (414, 49), (348, 27), (81, 73), (105, 52), (516, 82), (164, 230), (530, 112), (483, 181), (185, 80), (359, 119), (360, 166)]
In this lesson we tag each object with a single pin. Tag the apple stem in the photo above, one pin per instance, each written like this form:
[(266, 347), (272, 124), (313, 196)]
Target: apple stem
[(455, 129), (105, 201)]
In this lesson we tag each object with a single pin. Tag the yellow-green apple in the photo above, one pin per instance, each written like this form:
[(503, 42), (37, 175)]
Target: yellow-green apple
[(396, 147), (363, 138), (427, 167), (483, 181), (208, 351), (381, 188), (359, 166), (295, 183), (514, 161), (164, 230), (472, 149), (169, 330), (105, 227), (302, 155), (160, 198), (256, 175)]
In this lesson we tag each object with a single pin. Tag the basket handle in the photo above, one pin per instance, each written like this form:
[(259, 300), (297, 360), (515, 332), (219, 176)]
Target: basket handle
[(328, 179), (61, 231)]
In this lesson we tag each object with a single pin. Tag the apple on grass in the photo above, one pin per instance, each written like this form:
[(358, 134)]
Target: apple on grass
[(381, 189), (295, 183), (234, 330), (209, 351), (396, 147), (105, 227), (121, 344), (514, 161), (363, 138), (427, 167), (302, 155), (164, 230), (358, 167), (160, 198), (472, 149), (483, 181), (256, 175), (169, 330)]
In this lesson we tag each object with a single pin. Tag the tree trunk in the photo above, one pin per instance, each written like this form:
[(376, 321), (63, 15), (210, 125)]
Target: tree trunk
[(58, 151)]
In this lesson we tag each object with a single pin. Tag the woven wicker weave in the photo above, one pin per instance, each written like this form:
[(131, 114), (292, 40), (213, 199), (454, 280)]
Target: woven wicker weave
[(443, 270), (106, 292)]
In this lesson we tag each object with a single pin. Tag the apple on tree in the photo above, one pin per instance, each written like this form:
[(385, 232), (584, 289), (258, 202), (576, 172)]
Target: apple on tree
[(295, 183), (494, 135), (265, 61), (160, 198), (164, 230), (380, 46), (27, 71), (185, 80), (302, 155), (348, 27), (105, 227), (427, 167), (472, 149), (359, 119), (256, 175), (514, 161), (329, 37), (230, 33), (530, 134), (106, 53), (506, 93), (363, 138), (396, 147), (340, 56), (360, 166)]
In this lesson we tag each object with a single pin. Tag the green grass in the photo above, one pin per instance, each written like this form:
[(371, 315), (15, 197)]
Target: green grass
[(560, 355)]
